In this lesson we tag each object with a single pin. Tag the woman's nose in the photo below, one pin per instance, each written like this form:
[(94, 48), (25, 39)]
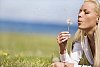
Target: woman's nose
[(81, 14)]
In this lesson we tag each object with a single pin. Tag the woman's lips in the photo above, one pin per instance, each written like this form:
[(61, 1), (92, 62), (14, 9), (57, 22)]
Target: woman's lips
[(79, 22)]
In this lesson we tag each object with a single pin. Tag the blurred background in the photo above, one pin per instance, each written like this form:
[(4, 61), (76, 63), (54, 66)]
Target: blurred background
[(30, 27)]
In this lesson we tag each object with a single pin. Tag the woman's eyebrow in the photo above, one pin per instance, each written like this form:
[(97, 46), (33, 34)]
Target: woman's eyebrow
[(86, 10)]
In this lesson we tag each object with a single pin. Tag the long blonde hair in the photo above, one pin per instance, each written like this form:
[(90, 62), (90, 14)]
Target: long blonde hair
[(79, 36)]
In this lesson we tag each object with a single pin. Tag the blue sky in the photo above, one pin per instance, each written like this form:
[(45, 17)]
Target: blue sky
[(40, 10)]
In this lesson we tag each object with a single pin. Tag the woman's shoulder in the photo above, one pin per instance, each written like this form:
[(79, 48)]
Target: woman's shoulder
[(76, 45)]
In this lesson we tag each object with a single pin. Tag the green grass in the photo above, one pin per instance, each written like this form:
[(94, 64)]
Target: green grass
[(19, 61), (27, 50), (28, 44)]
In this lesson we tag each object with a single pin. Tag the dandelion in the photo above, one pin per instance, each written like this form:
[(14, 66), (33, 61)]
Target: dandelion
[(69, 22)]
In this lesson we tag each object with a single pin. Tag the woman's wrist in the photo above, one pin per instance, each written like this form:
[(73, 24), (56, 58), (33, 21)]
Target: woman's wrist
[(62, 51), (62, 48)]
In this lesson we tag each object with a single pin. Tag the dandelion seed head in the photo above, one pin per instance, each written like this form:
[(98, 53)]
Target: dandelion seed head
[(69, 21)]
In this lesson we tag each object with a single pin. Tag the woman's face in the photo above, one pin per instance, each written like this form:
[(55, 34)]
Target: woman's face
[(87, 17)]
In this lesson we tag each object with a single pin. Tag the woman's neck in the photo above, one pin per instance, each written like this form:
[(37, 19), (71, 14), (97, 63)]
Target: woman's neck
[(90, 33)]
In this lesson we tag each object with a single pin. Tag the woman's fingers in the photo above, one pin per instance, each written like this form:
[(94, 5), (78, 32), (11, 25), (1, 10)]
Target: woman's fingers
[(63, 36), (64, 32)]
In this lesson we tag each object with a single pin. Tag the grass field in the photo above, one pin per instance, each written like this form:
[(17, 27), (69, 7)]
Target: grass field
[(27, 50)]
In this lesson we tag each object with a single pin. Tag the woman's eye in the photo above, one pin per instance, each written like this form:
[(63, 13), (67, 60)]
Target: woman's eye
[(86, 12)]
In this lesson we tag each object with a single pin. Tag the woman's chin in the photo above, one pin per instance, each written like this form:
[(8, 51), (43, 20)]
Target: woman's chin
[(79, 27)]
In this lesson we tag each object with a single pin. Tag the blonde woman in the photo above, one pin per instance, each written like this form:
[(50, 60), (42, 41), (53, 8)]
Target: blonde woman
[(86, 45)]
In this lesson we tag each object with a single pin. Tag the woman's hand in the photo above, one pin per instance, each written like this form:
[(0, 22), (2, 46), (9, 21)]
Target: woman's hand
[(62, 41)]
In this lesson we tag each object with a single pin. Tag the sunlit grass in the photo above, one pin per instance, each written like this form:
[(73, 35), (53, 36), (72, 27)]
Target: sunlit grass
[(28, 44), (20, 61), (27, 50)]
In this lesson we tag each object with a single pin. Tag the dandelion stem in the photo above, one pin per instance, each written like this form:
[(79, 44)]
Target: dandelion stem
[(68, 27), (68, 24)]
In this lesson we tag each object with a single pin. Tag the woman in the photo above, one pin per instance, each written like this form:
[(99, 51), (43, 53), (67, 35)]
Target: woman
[(87, 39)]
